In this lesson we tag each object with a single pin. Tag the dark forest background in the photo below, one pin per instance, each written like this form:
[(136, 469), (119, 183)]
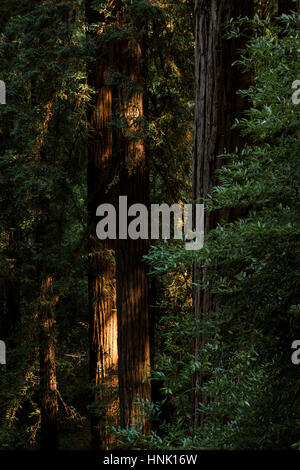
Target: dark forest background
[(130, 344)]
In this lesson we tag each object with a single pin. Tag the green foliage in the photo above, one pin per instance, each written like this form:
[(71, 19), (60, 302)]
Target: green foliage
[(252, 265)]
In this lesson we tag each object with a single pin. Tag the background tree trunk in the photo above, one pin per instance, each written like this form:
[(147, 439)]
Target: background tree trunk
[(48, 385), (47, 241), (216, 106), (101, 278)]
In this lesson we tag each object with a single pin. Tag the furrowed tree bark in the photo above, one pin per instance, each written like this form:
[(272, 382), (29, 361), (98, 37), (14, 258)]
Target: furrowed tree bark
[(46, 241), (12, 284), (216, 106), (132, 279), (101, 277)]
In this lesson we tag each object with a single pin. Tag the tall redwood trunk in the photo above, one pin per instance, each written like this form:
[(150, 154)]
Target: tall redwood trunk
[(132, 279), (101, 278), (216, 106)]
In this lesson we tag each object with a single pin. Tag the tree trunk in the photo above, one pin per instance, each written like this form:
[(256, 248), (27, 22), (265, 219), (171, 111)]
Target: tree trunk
[(132, 279), (101, 278), (48, 385), (216, 106), (46, 242), (46, 239)]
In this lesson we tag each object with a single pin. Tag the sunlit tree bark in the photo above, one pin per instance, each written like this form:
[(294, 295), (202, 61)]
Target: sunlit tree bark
[(48, 385), (46, 240), (132, 280)]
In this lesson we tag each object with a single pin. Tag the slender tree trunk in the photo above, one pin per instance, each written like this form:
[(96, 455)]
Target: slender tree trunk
[(46, 238), (132, 279), (48, 385), (46, 242), (102, 302), (216, 106)]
